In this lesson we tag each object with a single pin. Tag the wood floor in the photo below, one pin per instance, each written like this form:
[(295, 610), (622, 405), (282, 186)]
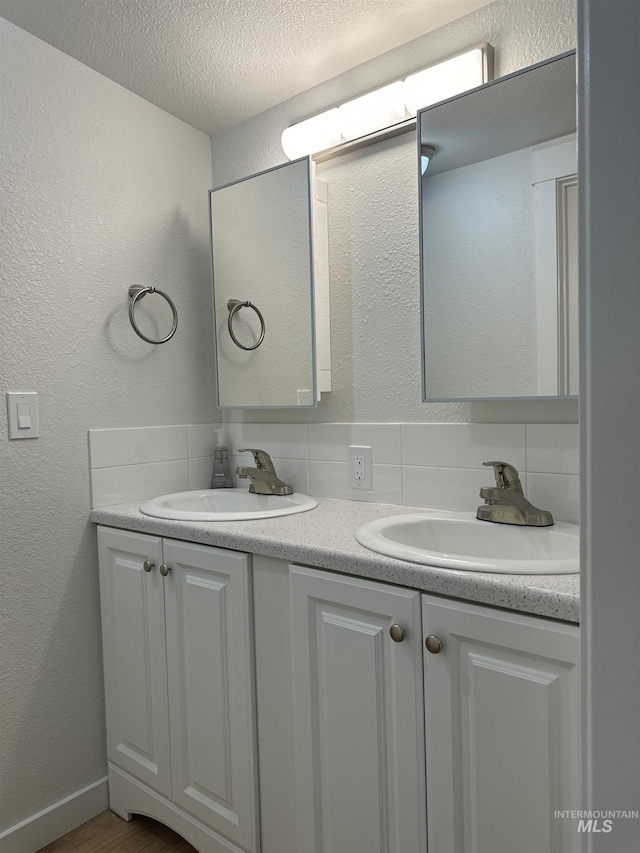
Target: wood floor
[(109, 833)]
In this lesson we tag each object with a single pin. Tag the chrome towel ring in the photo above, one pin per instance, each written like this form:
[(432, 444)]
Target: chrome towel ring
[(235, 305), (137, 292)]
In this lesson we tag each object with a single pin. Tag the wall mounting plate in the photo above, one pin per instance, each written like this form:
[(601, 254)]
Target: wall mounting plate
[(22, 414)]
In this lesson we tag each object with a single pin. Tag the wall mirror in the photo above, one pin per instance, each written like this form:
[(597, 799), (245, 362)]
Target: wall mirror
[(264, 262), (498, 238)]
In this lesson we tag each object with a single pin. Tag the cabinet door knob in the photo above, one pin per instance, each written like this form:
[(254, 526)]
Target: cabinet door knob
[(397, 633), (164, 570), (147, 565), (433, 644)]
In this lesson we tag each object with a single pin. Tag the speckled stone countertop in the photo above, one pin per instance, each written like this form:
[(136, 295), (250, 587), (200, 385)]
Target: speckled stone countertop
[(324, 538)]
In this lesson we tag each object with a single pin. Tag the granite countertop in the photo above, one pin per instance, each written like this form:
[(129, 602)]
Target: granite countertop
[(324, 538)]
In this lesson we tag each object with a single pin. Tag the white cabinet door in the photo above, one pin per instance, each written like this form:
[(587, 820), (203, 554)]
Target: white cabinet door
[(502, 730), (133, 635), (358, 716), (211, 701)]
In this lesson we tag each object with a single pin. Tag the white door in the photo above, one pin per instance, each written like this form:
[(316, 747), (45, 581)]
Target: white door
[(133, 636), (502, 730), (358, 715), (211, 697)]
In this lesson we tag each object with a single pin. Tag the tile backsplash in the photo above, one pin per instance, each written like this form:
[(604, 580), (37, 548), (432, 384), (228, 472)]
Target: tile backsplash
[(426, 465), (132, 464)]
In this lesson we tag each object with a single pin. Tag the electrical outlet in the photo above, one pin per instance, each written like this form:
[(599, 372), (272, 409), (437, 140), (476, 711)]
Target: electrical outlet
[(360, 468)]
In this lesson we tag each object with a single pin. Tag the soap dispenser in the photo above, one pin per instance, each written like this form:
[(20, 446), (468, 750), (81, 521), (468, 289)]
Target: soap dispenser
[(221, 478)]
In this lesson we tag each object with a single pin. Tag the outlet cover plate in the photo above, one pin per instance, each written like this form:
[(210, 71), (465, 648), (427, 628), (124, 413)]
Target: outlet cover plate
[(360, 467)]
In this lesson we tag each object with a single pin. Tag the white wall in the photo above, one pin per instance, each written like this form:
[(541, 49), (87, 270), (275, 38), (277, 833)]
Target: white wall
[(373, 223), (98, 190), (610, 415)]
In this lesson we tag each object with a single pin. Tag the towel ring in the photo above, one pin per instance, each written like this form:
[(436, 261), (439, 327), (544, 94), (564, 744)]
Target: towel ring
[(137, 292), (235, 305)]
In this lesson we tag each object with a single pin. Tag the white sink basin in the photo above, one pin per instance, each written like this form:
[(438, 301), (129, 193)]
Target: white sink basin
[(225, 505), (460, 541)]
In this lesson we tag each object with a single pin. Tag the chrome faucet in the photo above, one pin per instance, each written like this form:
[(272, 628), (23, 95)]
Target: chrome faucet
[(264, 478), (506, 504)]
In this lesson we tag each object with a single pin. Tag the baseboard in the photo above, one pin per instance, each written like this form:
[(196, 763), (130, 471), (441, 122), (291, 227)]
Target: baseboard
[(52, 823)]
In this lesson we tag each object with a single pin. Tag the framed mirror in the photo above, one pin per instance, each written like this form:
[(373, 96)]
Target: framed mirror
[(264, 259), (498, 238)]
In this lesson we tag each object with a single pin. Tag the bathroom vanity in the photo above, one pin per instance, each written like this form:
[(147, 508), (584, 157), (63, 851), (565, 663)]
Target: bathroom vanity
[(269, 688)]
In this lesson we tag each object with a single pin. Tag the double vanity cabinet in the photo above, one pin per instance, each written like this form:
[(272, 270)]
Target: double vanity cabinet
[(258, 705)]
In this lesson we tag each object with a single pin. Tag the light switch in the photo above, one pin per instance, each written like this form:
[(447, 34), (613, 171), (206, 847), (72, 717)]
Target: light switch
[(22, 414)]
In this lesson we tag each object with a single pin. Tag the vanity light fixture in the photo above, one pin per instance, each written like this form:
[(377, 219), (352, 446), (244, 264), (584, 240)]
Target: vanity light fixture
[(388, 111), (365, 115), (444, 80)]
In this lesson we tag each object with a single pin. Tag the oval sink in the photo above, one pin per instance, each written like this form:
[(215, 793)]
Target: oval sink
[(225, 505), (460, 541)]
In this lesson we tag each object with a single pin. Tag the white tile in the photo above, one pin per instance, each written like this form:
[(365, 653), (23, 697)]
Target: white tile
[(200, 469), (132, 446), (331, 480), (282, 441), (330, 442), (455, 489), (295, 472), (559, 493), (463, 445), (202, 438), (553, 448), (138, 482)]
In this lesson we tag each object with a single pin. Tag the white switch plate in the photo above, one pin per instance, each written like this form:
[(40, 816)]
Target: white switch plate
[(360, 467), (28, 403)]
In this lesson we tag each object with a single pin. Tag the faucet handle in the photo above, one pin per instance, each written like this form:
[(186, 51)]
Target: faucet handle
[(262, 458), (506, 475)]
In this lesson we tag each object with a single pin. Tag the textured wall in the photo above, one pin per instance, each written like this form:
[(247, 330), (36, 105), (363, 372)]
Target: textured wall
[(373, 223), (98, 190)]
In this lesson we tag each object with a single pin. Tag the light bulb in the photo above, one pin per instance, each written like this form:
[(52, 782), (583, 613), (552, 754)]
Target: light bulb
[(444, 80), (314, 134), (372, 112)]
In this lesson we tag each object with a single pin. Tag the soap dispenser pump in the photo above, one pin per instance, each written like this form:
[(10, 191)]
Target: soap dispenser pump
[(221, 478)]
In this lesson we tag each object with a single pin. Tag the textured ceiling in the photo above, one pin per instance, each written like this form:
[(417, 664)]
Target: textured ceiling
[(214, 63)]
